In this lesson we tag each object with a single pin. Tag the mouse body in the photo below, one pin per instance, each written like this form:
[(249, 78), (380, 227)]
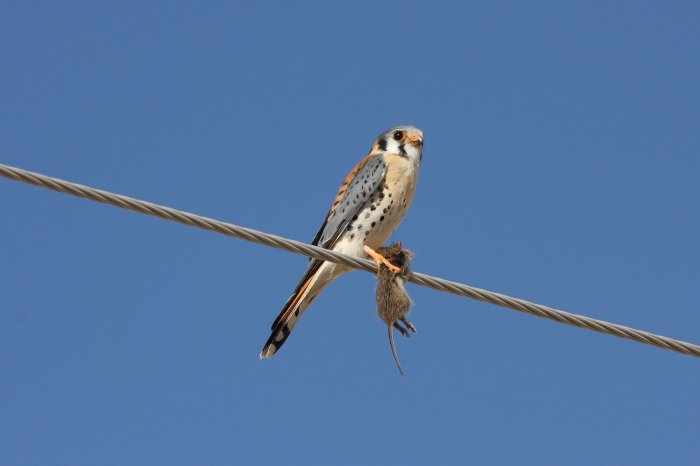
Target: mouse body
[(393, 302)]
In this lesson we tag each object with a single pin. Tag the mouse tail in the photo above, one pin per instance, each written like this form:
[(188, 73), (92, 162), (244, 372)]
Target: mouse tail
[(393, 348)]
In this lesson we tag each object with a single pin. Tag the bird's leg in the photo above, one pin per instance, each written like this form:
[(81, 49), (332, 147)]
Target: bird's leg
[(409, 325), (379, 259), (403, 331)]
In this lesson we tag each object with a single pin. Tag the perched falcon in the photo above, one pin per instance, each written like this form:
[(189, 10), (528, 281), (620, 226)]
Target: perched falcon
[(369, 205)]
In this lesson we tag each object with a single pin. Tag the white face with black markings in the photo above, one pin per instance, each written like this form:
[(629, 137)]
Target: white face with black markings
[(406, 141)]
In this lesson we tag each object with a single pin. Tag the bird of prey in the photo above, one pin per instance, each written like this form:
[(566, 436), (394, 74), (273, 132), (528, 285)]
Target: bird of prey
[(370, 204)]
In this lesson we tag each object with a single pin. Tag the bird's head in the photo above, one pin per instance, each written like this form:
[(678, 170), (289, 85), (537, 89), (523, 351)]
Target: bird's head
[(406, 141)]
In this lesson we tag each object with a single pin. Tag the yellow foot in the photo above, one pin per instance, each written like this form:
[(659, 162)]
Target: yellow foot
[(379, 259)]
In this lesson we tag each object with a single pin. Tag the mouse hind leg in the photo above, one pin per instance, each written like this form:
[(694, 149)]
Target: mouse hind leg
[(409, 325), (403, 331)]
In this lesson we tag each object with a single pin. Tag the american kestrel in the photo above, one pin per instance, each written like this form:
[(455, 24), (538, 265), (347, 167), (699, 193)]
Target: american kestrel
[(369, 205)]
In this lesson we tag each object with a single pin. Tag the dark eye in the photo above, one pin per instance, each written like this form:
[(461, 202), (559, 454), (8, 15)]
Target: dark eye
[(399, 135)]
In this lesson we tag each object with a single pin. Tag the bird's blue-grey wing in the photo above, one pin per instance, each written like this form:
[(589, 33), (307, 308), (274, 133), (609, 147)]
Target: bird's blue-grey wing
[(360, 184)]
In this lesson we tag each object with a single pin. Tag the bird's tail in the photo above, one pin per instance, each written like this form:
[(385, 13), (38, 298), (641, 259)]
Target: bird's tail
[(309, 287)]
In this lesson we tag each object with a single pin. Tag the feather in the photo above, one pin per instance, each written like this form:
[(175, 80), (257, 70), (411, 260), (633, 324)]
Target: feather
[(302, 297), (359, 185)]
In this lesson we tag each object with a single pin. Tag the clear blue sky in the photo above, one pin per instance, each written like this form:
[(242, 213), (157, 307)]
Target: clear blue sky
[(561, 165)]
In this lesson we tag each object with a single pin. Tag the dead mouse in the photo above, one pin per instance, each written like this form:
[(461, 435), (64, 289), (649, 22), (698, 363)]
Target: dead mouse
[(393, 303)]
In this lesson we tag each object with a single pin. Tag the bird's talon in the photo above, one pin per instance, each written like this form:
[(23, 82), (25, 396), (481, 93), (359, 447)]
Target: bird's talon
[(391, 266), (383, 260), (379, 260)]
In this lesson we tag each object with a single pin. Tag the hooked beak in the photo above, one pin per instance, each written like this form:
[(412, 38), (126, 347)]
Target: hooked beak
[(415, 139)]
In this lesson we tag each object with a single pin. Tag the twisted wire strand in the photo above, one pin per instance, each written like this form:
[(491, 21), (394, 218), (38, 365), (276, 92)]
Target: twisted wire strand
[(298, 247)]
